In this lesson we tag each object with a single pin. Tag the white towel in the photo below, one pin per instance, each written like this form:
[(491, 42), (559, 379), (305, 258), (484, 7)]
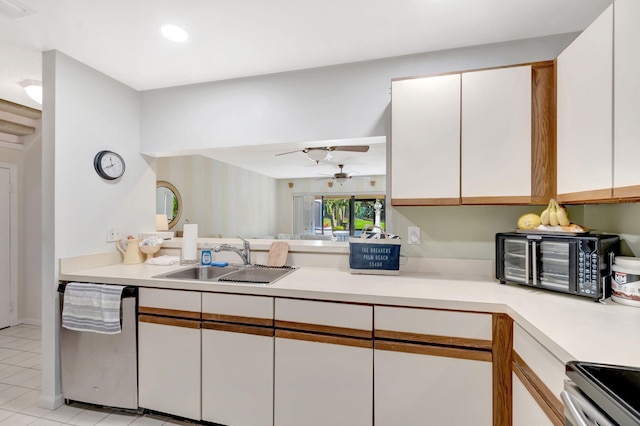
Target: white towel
[(164, 260), (92, 307)]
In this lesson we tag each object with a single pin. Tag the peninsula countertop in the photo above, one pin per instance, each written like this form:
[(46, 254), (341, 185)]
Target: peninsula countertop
[(569, 327)]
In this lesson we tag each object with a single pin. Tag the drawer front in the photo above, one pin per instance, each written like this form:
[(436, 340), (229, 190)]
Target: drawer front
[(324, 317), (433, 322), (549, 369), (235, 308), (175, 303)]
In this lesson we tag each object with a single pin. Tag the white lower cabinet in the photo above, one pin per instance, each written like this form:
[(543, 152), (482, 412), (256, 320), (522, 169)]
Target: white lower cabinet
[(538, 380), (323, 364), (417, 389), (169, 352), (526, 411), (432, 367), (169, 369), (237, 360), (319, 384)]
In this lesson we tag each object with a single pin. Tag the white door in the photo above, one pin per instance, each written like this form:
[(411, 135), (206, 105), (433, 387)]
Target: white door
[(6, 296)]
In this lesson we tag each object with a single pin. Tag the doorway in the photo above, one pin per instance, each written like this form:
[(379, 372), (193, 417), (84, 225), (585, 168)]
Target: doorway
[(8, 246)]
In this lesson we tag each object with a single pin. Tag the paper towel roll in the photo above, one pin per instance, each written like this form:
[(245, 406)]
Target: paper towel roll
[(190, 242)]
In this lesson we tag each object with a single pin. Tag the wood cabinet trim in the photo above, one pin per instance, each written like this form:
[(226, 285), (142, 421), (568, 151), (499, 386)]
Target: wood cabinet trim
[(423, 349), (400, 202), (237, 328), (595, 196), (543, 131), (548, 402), (236, 319), (503, 201), (324, 329), (538, 64), (168, 312), (502, 350), (433, 339), (321, 338), (174, 322), (629, 192)]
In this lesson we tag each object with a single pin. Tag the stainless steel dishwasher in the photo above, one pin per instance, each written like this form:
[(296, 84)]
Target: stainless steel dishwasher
[(98, 368)]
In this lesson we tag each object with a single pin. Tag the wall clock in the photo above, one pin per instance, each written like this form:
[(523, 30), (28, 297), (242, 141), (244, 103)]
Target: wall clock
[(109, 165)]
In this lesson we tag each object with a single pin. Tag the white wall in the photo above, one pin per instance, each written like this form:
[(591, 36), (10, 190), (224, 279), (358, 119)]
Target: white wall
[(84, 112), (27, 158), (622, 219), (224, 200), (350, 100), (30, 258), (343, 101)]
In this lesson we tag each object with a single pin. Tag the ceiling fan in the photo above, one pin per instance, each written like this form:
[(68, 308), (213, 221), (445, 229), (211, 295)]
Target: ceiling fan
[(318, 154), (341, 177)]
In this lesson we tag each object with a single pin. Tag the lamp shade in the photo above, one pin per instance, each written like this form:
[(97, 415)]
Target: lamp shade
[(317, 154), (162, 223)]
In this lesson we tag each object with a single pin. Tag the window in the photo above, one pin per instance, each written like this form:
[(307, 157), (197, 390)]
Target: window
[(337, 216)]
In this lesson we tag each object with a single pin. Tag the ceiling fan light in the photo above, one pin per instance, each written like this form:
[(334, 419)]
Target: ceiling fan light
[(341, 180), (317, 154)]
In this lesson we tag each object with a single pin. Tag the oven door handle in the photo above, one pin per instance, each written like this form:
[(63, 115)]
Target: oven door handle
[(575, 415), (526, 262), (534, 262)]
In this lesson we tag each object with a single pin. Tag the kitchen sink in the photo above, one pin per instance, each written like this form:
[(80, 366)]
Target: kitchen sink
[(202, 273), (247, 274)]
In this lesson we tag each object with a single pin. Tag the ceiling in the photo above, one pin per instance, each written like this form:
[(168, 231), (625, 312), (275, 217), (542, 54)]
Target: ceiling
[(240, 38)]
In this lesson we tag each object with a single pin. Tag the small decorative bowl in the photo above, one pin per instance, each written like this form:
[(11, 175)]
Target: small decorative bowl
[(150, 250)]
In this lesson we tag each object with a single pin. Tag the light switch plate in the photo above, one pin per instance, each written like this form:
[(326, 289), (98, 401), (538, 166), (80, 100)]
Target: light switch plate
[(414, 235)]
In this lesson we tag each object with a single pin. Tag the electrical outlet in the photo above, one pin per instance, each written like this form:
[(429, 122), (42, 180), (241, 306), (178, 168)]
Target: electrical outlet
[(113, 233), (414, 235)]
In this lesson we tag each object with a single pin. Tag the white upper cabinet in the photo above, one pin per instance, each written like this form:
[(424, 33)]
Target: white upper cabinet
[(585, 122), (425, 140), (496, 134), (626, 173)]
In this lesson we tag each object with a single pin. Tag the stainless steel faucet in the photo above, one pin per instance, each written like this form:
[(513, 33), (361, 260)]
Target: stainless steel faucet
[(245, 253)]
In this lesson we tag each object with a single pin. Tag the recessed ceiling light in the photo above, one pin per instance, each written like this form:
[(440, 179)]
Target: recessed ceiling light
[(33, 89), (174, 33)]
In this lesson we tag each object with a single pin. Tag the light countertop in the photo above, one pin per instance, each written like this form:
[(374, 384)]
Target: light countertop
[(570, 327)]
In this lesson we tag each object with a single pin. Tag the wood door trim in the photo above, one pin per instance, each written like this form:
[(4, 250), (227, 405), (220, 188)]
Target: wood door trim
[(423, 349), (174, 322), (321, 338), (538, 64), (545, 398), (237, 328), (168, 312), (501, 201), (631, 192), (543, 132), (324, 329), (425, 202), (595, 196), (236, 319), (433, 339), (502, 326)]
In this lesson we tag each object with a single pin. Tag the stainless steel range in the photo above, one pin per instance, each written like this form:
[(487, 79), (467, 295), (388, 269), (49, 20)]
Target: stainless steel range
[(601, 395)]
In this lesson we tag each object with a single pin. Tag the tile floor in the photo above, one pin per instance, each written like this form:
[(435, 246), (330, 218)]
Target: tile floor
[(20, 384)]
